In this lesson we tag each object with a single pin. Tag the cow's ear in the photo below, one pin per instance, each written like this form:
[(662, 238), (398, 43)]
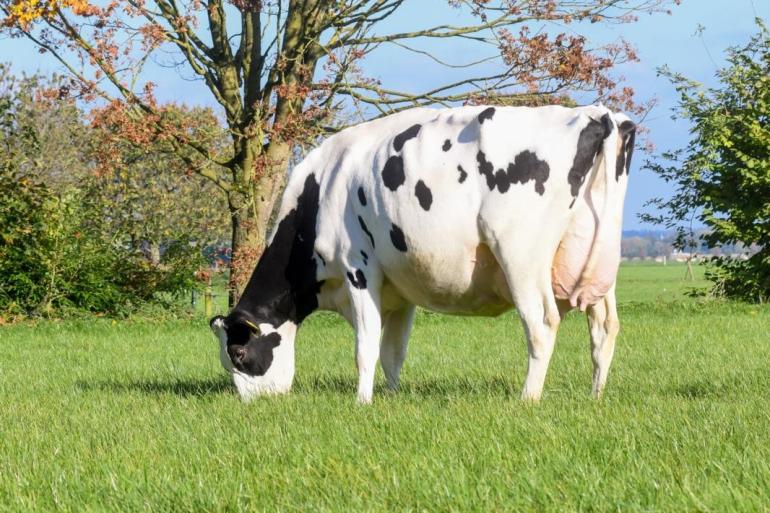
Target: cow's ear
[(217, 324)]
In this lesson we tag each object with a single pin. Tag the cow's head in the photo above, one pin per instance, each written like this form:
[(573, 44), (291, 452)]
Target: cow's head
[(259, 355)]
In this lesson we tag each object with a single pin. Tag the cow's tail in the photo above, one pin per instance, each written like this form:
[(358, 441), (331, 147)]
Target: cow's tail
[(608, 215)]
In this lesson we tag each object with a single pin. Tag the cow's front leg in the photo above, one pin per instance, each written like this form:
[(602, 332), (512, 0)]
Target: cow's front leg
[(395, 337), (367, 323)]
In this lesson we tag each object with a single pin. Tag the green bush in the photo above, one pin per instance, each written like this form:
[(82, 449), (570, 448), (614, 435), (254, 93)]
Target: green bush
[(54, 259), (22, 228), (75, 236), (745, 279), (722, 177)]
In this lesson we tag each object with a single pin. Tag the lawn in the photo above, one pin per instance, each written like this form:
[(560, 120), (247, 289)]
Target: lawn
[(137, 415)]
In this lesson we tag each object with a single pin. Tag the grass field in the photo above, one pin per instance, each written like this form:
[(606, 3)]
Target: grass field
[(138, 416)]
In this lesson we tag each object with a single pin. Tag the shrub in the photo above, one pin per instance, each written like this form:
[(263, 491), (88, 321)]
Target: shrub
[(722, 177)]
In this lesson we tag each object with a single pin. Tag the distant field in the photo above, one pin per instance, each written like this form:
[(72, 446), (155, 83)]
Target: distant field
[(138, 416), (652, 283)]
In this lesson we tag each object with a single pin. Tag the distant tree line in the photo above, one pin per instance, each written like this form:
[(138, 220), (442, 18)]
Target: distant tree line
[(658, 243), (645, 246)]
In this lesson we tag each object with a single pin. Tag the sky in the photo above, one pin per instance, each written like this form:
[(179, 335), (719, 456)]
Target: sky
[(673, 40)]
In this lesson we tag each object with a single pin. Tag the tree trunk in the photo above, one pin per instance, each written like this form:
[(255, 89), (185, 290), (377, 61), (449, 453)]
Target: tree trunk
[(260, 178), (248, 243), (153, 253)]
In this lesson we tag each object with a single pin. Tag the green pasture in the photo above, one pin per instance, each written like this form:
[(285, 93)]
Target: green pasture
[(137, 415)]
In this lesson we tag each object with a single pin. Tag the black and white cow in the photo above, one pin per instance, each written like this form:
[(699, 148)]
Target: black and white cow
[(471, 211)]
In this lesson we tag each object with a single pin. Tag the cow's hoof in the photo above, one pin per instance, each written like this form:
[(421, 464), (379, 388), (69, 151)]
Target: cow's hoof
[(364, 399), (530, 397), (392, 387)]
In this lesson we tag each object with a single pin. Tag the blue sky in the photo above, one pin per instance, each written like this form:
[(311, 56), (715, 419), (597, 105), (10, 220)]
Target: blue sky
[(659, 39)]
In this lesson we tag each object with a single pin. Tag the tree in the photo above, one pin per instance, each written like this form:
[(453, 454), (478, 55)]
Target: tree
[(148, 196), (722, 177), (283, 68), (45, 136)]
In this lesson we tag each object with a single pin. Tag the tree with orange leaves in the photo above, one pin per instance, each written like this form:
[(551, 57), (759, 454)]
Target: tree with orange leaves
[(291, 66)]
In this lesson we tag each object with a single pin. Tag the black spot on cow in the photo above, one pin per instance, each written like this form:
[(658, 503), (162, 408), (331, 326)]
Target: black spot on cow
[(424, 196), (283, 285), (627, 130), (397, 238), (501, 181), (359, 280), (463, 174), (485, 114), (525, 167), (365, 256), (404, 136), (393, 173), (447, 145), (608, 125), (487, 169), (626, 127), (361, 196), (366, 230), (588, 146), (630, 151)]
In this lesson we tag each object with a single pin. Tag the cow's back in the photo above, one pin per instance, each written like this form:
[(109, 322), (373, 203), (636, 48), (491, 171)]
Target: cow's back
[(425, 193)]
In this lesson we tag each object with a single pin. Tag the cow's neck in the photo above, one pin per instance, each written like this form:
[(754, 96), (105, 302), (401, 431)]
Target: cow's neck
[(283, 286)]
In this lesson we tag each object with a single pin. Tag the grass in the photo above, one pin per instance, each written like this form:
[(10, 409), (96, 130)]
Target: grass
[(654, 283), (138, 416)]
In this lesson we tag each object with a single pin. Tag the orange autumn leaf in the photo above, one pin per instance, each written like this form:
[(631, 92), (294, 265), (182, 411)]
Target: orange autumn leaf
[(25, 12)]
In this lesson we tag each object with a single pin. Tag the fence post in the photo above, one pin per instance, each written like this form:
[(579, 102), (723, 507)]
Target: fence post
[(208, 301), (688, 275)]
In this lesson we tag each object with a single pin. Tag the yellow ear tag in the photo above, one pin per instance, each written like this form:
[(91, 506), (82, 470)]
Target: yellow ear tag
[(253, 326)]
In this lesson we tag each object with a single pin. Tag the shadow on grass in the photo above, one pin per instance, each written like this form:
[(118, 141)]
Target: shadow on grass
[(334, 384), (700, 390), (188, 387), (420, 387), (727, 386)]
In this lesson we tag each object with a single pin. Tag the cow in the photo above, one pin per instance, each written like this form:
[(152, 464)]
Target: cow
[(472, 210)]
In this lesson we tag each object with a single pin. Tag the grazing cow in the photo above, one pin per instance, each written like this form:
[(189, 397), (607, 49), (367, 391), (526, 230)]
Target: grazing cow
[(470, 211)]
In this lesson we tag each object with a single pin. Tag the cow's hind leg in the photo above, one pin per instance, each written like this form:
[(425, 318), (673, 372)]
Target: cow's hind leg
[(530, 286), (540, 317), (604, 326), (395, 337), (529, 283)]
